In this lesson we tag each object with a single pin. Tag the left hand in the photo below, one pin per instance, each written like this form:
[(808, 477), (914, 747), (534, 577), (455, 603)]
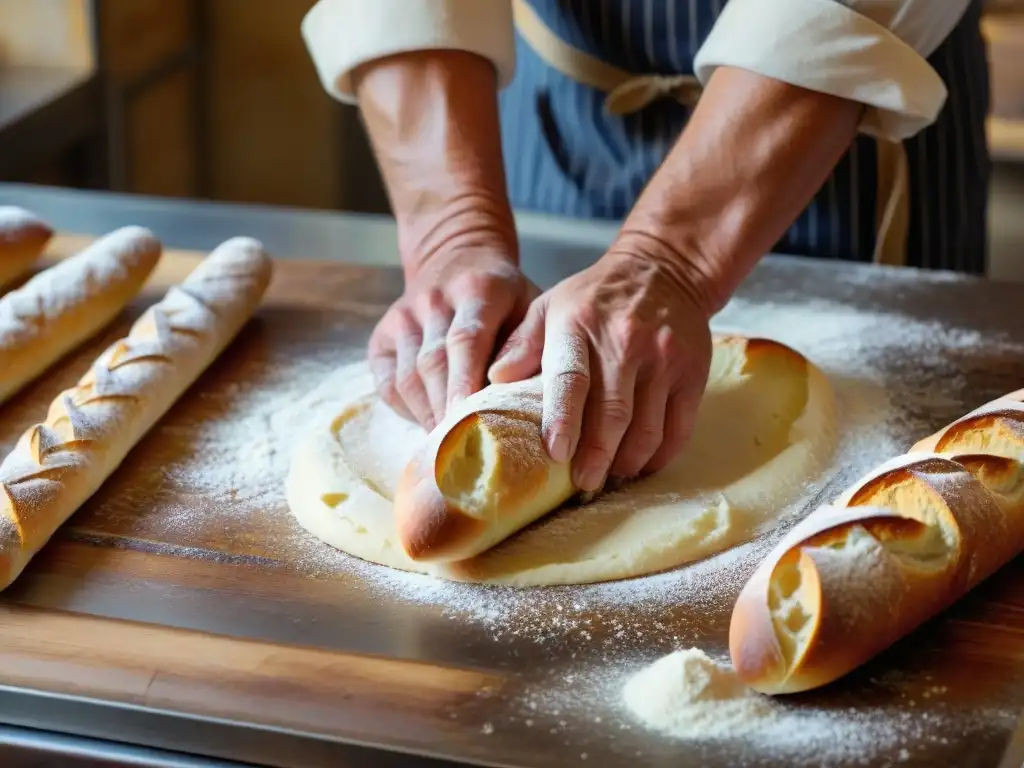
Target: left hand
[(623, 349)]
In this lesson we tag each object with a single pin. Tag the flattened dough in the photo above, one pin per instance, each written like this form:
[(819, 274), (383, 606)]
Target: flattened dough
[(766, 427)]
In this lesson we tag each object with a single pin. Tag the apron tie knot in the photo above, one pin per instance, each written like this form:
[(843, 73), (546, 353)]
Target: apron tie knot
[(637, 92)]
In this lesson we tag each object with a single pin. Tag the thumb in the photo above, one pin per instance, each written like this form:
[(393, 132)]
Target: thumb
[(520, 356)]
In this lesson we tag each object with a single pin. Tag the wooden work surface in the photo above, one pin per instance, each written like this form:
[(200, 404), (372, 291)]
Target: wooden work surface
[(276, 662)]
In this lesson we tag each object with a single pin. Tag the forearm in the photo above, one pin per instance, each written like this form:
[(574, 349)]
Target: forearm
[(432, 117), (752, 156)]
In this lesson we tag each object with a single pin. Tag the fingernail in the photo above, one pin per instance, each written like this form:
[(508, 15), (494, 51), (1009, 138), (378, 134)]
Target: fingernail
[(558, 447)]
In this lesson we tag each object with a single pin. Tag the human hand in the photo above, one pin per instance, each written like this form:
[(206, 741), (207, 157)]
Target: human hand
[(433, 346), (624, 349), (432, 117)]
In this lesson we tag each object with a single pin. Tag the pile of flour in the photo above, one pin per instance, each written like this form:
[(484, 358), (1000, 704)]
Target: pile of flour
[(688, 695)]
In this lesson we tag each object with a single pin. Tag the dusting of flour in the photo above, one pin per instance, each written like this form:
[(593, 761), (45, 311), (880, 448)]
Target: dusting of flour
[(244, 454), (688, 695), (895, 377)]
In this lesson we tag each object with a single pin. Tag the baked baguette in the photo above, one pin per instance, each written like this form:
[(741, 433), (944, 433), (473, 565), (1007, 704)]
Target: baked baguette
[(902, 544), (483, 475), (22, 238), (61, 307), (89, 429)]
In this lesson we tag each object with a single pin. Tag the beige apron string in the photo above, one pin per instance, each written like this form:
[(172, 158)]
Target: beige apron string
[(893, 215), (626, 91)]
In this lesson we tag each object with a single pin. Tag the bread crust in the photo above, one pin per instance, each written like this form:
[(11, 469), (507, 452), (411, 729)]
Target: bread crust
[(89, 429), (897, 547), (523, 482), (23, 236), (63, 306)]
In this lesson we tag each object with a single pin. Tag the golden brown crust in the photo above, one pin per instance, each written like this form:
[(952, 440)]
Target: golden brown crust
[(62, 307), (23, 237), (88, 430), (896, 548), (435, 523)]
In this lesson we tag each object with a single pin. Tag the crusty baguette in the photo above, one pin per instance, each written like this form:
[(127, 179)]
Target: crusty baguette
[(89, 429), (483, 475), (61, 307), (23, 237), (900, 545)]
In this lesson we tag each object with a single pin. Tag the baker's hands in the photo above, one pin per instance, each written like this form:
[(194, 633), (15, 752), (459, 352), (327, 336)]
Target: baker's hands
[(624, 349), (434, 344), (432, 117)]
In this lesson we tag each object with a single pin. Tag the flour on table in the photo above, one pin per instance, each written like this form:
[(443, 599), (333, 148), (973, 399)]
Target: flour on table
[(879, 417), (764, 430), (688, 695)]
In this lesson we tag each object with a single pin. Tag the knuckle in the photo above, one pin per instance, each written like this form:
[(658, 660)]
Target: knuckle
[(614, 413), (465, 334), (631, 334), (571, 381), (407, 382), (647, 438), (432, 300), (432, 360), (666, 340)]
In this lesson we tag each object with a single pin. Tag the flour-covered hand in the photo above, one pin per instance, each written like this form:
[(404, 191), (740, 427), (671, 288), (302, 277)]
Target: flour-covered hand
[(624, 349), (434, 344)]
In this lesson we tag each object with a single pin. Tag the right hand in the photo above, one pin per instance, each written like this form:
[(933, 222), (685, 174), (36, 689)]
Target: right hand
[(432, 117), (433, 346)]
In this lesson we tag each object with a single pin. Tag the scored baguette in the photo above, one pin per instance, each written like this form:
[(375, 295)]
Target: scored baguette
[(89, 429), (62, 306), (897, 547), (483, 475), (23, 236)]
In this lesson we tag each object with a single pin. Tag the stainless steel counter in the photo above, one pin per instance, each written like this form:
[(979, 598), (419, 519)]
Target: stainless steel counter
[(552, 248), (975, 650)]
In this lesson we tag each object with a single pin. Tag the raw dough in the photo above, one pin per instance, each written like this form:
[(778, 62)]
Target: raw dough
[(766, 427)]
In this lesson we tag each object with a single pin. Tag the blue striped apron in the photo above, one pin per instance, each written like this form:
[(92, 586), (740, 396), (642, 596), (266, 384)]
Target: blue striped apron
[(565, 154)]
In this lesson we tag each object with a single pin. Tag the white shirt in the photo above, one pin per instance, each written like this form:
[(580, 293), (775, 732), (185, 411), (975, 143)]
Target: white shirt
[(869, 51)]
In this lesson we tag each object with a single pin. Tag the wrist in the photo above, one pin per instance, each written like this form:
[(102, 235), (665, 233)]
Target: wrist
[(474, 223), (750, 159), (688, 270), (432, 118)]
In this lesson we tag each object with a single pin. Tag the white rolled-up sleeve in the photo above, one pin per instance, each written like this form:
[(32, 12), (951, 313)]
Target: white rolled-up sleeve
[(343, 34), (870, 51)]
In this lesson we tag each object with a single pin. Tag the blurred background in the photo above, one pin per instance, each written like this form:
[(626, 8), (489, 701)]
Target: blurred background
[(218, 99)]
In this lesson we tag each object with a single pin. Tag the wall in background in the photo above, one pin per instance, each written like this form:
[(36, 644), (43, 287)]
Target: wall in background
[(274, 136), (46, 33)]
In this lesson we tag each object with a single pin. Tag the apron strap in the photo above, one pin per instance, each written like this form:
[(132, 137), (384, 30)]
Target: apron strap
[(628, 93), (892, 219)]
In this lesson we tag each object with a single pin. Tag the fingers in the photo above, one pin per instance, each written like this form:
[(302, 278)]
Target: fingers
[(520, 356), (432, 363), (384, 367), (565, 372), (646, 433), (647, 429), (408, 342), (609, 412), (470, 342)]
